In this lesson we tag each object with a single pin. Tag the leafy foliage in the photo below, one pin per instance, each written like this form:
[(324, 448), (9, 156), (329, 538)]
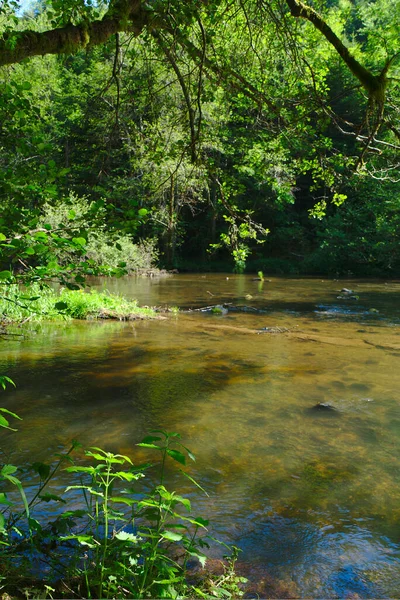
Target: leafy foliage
[(126, 541)]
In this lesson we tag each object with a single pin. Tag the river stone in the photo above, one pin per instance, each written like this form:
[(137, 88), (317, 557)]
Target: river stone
[(323, 407)]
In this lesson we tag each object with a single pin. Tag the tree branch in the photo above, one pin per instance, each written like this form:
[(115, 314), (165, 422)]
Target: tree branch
[(123, 15)]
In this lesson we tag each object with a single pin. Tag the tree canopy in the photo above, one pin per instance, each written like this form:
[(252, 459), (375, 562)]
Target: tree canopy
[(202, 124)]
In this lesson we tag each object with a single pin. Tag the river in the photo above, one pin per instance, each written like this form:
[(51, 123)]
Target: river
[(309, 493)]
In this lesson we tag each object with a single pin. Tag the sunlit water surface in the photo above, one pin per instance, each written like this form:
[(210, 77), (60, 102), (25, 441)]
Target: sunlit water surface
[(311, 496)]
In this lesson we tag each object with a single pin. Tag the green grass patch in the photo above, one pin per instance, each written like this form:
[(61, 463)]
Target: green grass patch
[(100, 305), (42, 303)]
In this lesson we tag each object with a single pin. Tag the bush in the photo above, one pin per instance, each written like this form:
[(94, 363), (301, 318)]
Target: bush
[(87, 219), (42, 302), (125, 541)]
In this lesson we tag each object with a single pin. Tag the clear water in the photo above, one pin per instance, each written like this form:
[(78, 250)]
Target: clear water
[(310, 495)]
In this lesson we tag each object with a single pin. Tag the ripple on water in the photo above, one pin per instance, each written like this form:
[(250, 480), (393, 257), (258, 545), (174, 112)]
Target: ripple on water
[(321, 562)]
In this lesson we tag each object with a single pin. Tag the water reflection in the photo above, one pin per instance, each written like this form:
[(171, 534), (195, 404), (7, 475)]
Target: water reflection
[(311, 496)]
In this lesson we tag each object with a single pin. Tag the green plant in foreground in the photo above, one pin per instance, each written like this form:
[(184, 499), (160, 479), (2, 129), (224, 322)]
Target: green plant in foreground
[(125, 542)]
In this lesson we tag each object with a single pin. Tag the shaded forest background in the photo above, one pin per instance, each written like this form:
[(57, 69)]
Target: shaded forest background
[(248, 148)]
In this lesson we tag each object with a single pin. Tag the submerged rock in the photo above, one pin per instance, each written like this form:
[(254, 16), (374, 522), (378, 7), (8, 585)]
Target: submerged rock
[(324, 407)]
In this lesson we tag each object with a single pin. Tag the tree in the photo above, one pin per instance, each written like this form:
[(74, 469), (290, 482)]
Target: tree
[(260, 97)]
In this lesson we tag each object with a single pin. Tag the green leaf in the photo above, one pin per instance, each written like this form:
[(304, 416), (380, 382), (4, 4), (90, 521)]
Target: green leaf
[(30, 251), (4, 499), (34, 524), (149, 439), (119, 499), (8, 412), (79, 241), (202, 522), (128, 476), (149, 446), (2, 237), (85, 540), (3, 381), (4, 275), (8, 470), (3, 422), (124, 536), (171, 535), (184, 501), (50, 497), (60, 305), (41, 469), (176, 455)]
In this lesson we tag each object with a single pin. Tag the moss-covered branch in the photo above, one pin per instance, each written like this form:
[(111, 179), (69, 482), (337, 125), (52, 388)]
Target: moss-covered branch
[(375, 85), (123, 15)]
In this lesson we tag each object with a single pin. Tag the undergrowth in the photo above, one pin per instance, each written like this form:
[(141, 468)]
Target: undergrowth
[(125, 540), (38, 303)]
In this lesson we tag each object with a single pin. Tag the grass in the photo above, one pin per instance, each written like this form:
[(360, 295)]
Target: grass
[(40, 303)]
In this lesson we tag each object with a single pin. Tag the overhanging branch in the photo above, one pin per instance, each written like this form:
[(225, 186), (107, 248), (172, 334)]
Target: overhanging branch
[(123, 15)]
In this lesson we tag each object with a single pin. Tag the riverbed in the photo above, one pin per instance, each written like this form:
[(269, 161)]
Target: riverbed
[(288, 395)]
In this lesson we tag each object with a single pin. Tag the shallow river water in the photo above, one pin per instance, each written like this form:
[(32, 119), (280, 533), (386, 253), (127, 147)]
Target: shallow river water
[(311, 495)]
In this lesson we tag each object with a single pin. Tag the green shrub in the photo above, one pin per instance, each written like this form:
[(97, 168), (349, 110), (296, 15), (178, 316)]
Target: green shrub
[(125, 541), (41, 302), (85, 218)]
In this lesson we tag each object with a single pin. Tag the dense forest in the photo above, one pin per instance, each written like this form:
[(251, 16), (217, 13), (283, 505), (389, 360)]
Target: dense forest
[(200, 136)]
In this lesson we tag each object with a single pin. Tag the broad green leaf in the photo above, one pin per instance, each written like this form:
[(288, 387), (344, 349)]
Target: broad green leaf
[(5, 424), (124, 536), (2, 237), (4, 275), (8, 470), (202, 522), (79, 241), (42, 469), (60, 305), (84, 540), (128, 476), (176, 455), (184, 501), (34, 524)]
